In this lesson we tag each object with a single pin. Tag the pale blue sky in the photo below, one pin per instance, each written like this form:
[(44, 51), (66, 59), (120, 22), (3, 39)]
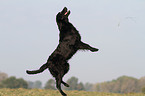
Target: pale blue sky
[(29, 34)]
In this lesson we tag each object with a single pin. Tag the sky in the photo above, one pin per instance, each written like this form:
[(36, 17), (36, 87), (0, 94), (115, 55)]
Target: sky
[(29, 34)]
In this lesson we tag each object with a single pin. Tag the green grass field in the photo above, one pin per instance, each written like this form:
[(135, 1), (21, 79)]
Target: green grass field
[(43, 92)]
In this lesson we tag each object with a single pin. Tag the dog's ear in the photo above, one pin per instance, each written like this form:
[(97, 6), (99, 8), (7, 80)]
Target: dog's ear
[(60, 26)]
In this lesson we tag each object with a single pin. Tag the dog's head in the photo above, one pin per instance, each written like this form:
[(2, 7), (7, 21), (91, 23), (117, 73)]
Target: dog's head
[(63, 15)]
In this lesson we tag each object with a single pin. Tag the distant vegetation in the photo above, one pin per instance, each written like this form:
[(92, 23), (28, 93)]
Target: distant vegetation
[(12, 82), (123, 84)]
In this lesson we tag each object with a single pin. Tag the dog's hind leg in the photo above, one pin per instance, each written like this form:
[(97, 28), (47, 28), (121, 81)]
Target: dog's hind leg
[(65, 84), (85, 46), (41, 69), (58, 84)]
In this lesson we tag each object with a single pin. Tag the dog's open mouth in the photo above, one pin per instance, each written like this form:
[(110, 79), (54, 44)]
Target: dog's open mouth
[(65, 12)]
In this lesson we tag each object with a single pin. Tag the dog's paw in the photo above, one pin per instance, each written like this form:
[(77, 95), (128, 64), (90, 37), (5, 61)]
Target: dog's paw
[(63, 94), (94, 50), (66, 85)]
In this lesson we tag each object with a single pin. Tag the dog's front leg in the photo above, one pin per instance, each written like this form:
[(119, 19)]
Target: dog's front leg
[(85, 46)]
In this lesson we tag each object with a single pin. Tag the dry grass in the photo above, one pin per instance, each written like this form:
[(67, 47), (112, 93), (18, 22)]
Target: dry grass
[(42, 92)]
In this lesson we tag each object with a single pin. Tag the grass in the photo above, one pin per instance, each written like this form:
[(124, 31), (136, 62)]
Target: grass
[(43, 92)]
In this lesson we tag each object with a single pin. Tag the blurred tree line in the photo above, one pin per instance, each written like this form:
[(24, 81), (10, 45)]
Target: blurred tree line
[(12, 82), (123, 84), (73, 83)]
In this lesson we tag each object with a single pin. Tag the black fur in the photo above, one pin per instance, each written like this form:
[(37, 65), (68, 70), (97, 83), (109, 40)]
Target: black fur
[(69, 43)]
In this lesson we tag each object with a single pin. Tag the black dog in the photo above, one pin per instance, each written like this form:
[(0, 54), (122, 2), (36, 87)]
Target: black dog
[(69, 43)]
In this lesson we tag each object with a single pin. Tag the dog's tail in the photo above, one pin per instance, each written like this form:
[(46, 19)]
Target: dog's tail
[(41, 69)]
